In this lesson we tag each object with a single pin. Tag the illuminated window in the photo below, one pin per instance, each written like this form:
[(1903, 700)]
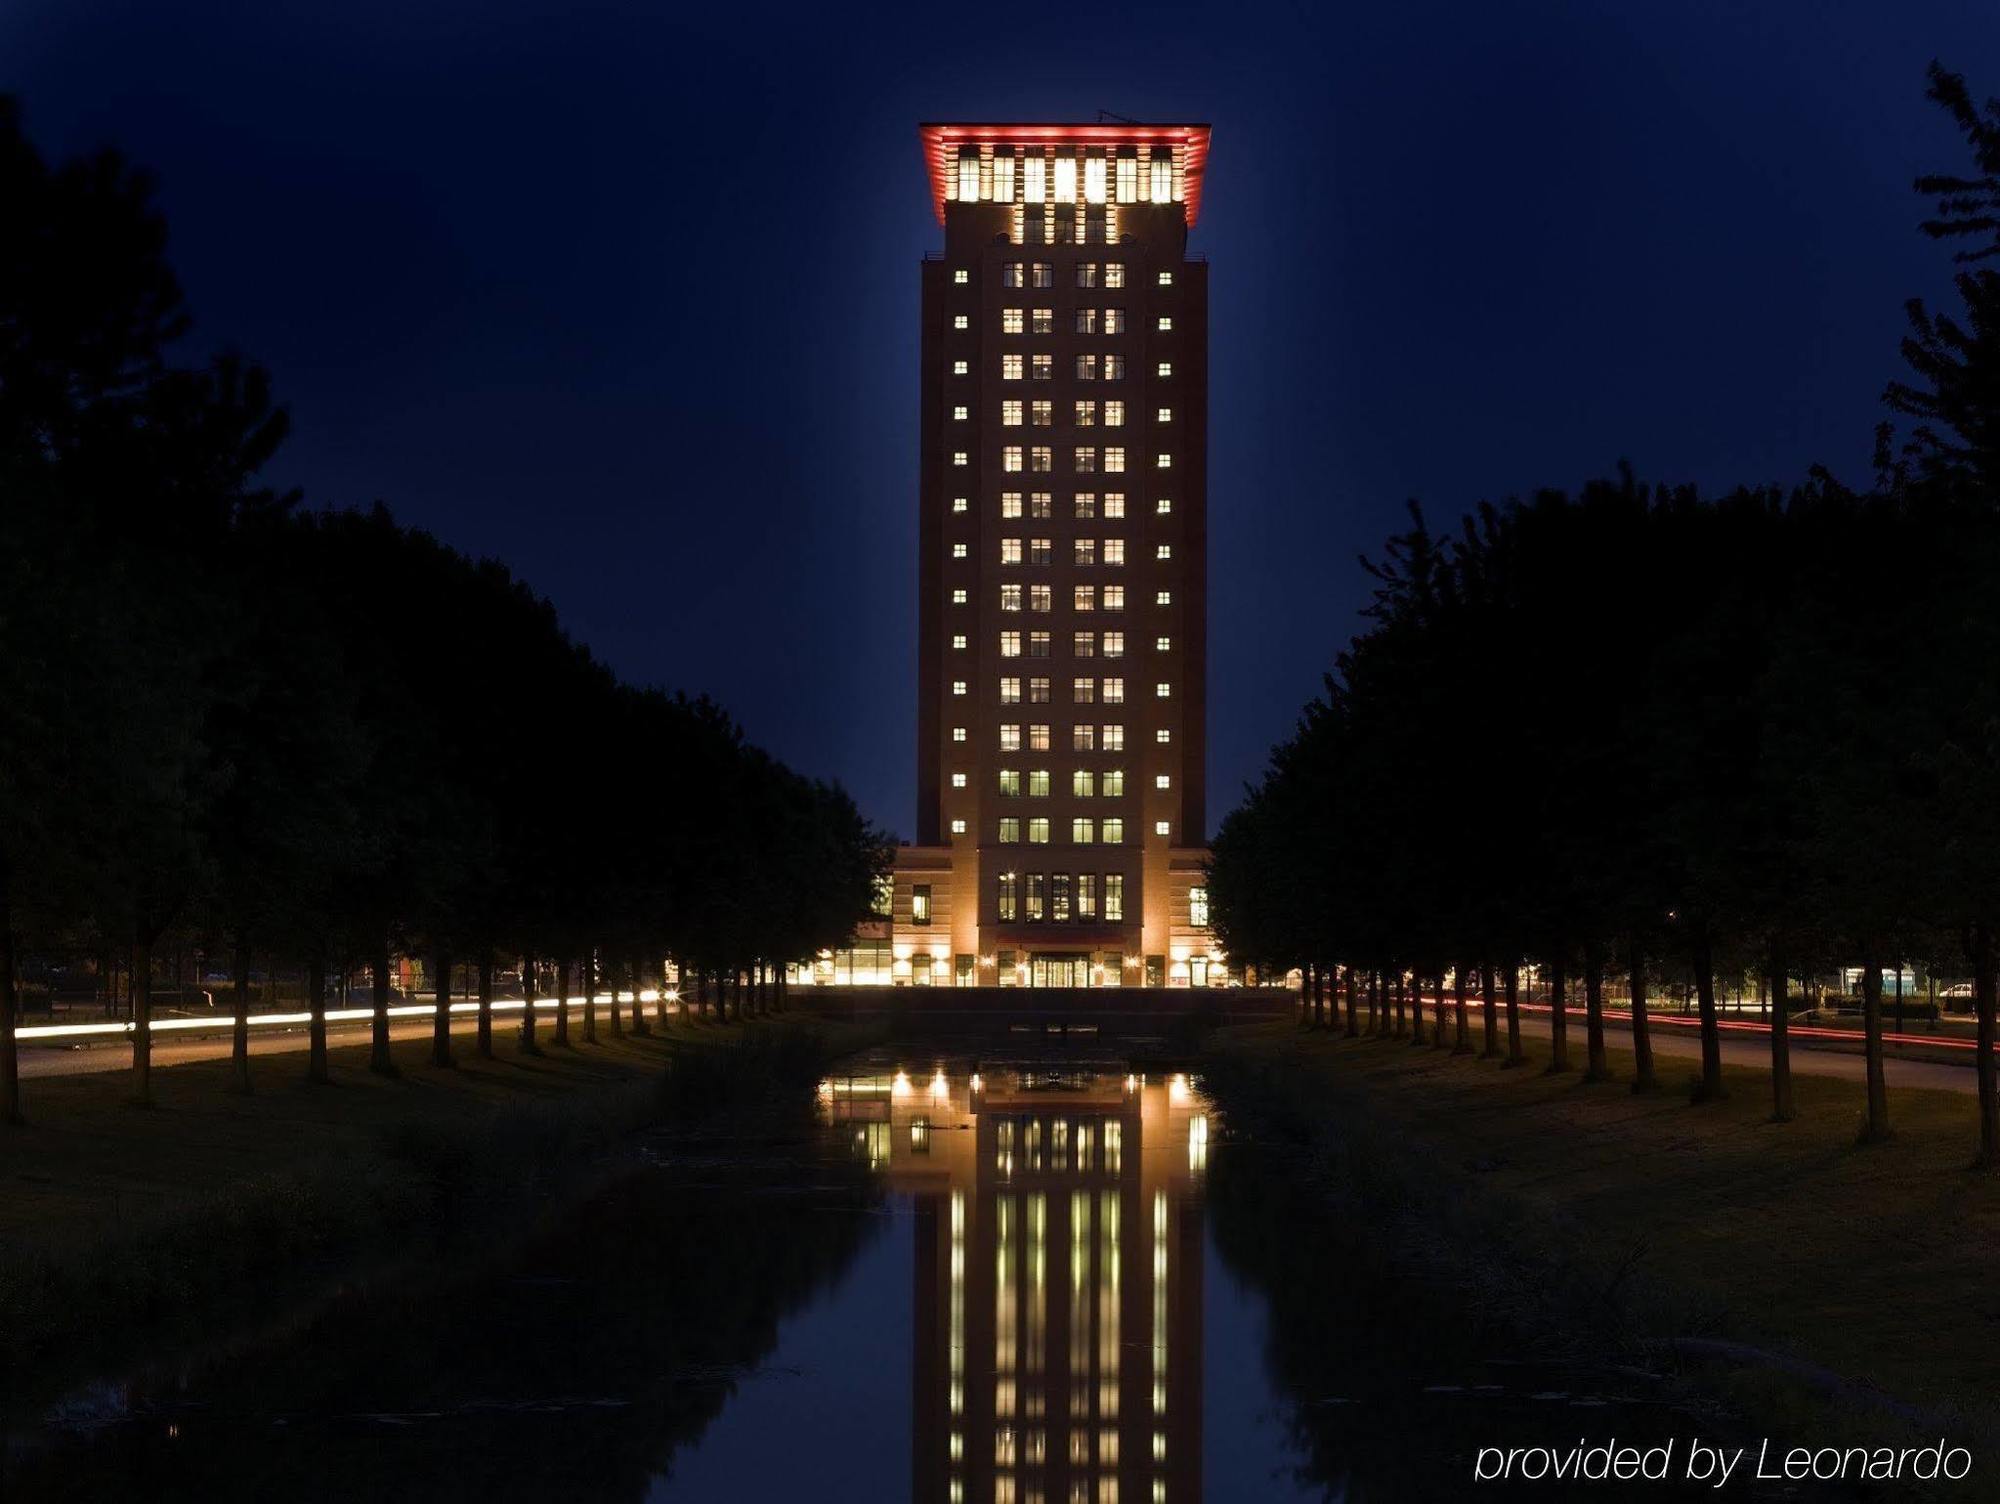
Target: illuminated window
[(1010, 737), (1038, 644), (1034, 179), (1086, 908), (1165, 324), (1162, 781), (1162, 179), (1031, 908), (1163, 736), (1086, 321), (1041, 551), (1010, 691), (1083, 645), (960, 367), (1114, 597), (1114, 783), (1163, 690), (1163, 598), (1114, 415), (1042, 368), (920, 903), (1114, 887), (960, 505), (958, 827), (1163, 462), (1114, 504), (1010, 414), (958, 686), (1008, 896), (1164, 551), (1038, 736), (1010, 834), (1114, 551), (960, 458), (1010, 368), (1042, 321), (1010, 550), (1164, 370), (1086, 413), (1040, 598), (1010, 321), (1010, 644), (958, 733), (1010, 274), (1041, 459), (1038, 691), (968, 175), (1166, 279), (1093, 180), (1010, 597), (1065, 180), (958, 597), (1163, 644), (1003, 177), (1085, 551), (1113, 738), (1114, 459), (1114, 274), (1083, 691), (1164, 415), (1041, 504), (1114, 368), (958, 550), (1010, 458), (1084, 598), (960, 413), (1114, 644), (1038, 831), (958, 641), (1038, 783), (1010, 783), (1045, 274), (1044, 414), (1114, 835), (1114, 321), (1085, 505), (1085, 458), (1128, 179), (1086, 274), (1083, 831), (1161, 828), (1114, 691), (961, 276), (1164, 505), (958, 780), (961, 321), (1010, 506)]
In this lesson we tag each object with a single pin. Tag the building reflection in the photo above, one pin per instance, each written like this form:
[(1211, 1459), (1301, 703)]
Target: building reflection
[(1058, 1289)]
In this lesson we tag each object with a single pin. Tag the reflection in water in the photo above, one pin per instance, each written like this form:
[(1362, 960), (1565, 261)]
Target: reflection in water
[(1058, 1270)]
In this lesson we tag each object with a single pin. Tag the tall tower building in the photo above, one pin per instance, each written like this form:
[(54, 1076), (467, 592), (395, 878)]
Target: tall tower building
[(1062, 595)]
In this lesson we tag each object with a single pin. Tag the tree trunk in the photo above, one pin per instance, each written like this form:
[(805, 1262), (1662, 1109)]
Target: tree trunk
[(1558, 1017), (1438, 1040), (441, 1015), (587, 975), (1489, 1014), (1984, 983), (1378, 1003), (1353, 986), (1597, 1065), (530, 1045), (10, 1017), (1643, 1078), (239, 1023), (379, 1060), (1709, 1088), (563, 965), (1306, 1019), (660, 997), (1781, 1039), (1402, 999), (1461, 1043), (316, 1068), (142, 1022), (1877, 1126), (612, 1015), (1514, 1055), (637, 973)]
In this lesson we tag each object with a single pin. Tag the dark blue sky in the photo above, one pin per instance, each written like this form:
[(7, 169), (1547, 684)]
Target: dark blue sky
[(626, 295)]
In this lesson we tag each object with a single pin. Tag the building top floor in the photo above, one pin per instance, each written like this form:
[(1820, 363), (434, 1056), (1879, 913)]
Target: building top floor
[(1066, 163)]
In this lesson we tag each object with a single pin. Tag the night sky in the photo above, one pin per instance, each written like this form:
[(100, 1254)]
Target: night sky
[(626, 295)]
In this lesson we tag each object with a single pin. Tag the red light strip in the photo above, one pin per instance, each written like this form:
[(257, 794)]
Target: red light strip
[(1745, 1026), (939, 138)]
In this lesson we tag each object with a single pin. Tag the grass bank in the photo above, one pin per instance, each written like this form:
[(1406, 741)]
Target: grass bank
[(122, 1226), (1789, 1268)]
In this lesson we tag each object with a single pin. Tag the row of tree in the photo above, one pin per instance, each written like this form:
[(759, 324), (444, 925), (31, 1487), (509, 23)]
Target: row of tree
[(1636, 728), (323, 737)]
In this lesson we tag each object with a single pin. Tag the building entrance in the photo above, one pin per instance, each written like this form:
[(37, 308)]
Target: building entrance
[(1046, 970)]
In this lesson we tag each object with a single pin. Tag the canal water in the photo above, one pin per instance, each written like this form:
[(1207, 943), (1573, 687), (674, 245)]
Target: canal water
[(1031, 1283)]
